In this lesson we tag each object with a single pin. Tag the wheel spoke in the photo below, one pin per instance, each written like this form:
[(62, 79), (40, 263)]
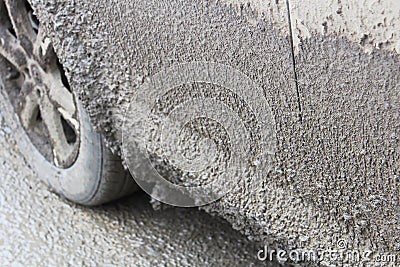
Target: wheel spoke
[(11, 50), (43, 48), (20, 21), (60, 95), (29, 106), (52, 121)]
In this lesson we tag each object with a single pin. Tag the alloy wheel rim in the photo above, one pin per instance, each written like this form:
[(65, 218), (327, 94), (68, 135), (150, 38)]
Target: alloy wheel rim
[(37, 86)]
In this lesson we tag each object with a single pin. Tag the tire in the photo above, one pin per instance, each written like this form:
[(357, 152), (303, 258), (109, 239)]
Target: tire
[(94, 176)]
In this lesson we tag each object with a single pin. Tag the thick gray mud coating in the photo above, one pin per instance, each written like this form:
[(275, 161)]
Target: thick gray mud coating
[(351, 141), (336, 173)]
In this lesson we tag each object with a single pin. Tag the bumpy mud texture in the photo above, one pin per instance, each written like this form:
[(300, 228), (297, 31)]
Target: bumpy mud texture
[(336, 174)]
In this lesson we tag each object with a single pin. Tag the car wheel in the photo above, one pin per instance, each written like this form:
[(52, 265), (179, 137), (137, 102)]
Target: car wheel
[(51, 128)]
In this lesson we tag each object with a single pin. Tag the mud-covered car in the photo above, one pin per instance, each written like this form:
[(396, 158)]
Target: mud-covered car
[(293, 107)]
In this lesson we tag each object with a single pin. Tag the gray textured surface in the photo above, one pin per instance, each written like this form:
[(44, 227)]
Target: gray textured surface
[(351, 104), (37, 228), (110, 46)]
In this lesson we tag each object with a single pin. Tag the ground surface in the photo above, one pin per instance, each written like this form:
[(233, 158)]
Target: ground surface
[(37, 228)]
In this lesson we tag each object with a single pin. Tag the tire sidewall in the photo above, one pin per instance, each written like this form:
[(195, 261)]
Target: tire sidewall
[(78, 183)]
